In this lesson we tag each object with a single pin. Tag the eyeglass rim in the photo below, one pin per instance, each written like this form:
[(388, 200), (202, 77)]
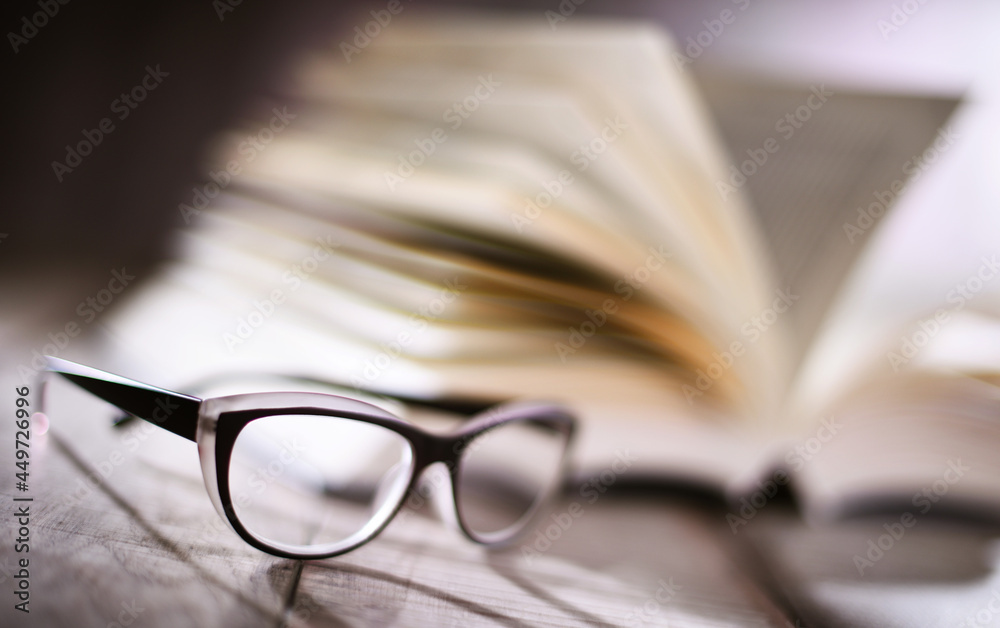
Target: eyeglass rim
[(224, 418), (557, 416)]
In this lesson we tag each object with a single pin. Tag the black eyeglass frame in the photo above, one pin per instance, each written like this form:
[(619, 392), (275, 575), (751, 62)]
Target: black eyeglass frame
[(215, 423)]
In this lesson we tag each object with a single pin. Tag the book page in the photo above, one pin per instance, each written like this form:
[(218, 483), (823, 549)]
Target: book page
[(840, 161)]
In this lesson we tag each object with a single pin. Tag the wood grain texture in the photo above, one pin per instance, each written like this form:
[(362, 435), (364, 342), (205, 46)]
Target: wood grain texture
[(122, 525), (127, 546)]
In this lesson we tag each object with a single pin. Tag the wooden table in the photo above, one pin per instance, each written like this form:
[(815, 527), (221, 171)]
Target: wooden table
[(122, 532), (143, 546)]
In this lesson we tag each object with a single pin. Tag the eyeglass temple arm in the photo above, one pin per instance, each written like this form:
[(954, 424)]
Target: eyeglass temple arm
[(175, 412)]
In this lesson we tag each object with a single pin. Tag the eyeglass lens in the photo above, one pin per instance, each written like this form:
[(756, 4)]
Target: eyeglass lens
[(312, 481)]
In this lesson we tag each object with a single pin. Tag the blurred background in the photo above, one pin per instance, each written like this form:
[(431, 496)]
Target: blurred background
[(119, 206)]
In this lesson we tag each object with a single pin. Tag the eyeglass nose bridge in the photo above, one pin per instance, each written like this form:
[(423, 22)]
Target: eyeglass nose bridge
[(434, 477), (434, 485)]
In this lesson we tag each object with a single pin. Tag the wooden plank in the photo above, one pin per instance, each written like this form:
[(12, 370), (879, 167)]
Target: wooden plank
[(136, 544), (622, 561), (146, 536)]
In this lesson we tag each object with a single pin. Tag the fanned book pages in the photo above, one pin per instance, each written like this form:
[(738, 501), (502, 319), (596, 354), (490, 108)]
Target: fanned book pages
[(496, 209)]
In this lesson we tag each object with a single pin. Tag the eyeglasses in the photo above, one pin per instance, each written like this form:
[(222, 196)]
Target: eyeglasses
[(314, 475)]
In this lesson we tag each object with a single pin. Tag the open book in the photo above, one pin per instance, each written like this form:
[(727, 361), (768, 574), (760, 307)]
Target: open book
[(498, 208)]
